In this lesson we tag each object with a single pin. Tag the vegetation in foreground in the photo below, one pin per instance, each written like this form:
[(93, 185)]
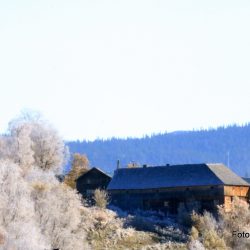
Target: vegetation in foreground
[(39, 212)]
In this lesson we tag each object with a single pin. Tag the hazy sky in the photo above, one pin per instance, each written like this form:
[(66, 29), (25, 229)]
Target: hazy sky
[(101, 68)]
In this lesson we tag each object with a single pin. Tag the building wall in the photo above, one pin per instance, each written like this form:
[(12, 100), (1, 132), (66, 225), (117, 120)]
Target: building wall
[(236, 191), (231, 191), (92, 180), (169, 199)]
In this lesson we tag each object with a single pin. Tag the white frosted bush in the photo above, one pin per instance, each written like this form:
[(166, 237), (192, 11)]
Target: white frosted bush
[(238, 219), (106, 231), (195, 245), (58, 211), (17, 214), (38, 175), (36, 211)]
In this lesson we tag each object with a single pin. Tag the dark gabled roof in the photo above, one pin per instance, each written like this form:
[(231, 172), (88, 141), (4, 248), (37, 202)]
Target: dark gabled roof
[(93, 169), (174, 176)]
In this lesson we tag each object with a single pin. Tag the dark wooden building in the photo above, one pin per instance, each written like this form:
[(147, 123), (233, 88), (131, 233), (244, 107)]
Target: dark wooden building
[(165, 188), (91, 180)]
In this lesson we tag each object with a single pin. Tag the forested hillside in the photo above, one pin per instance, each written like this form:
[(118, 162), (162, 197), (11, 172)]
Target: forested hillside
[(224, 144)]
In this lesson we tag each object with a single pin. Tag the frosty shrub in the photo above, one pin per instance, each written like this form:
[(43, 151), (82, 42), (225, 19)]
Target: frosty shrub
[(165, 229), (58, 212), (238, 219), (194, 233), (206, 232), (106, 231), (101, 198), (211, 240), (205, 222), (20, 229), (218, 234), (195, 245), (165, 246)]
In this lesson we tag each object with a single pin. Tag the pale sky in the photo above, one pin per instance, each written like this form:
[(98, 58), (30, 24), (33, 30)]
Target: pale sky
[(102, 68)]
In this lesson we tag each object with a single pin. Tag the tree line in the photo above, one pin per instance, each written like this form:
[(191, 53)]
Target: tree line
[(229, 145)]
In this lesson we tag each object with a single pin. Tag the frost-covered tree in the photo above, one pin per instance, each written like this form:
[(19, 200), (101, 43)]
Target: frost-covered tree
[(36, 211), (6, 148), (20, 229), (33, 141), (21, 146), (49, 149)]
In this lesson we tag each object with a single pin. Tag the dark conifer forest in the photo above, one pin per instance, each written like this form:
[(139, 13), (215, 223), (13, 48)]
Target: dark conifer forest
[(229, 145)]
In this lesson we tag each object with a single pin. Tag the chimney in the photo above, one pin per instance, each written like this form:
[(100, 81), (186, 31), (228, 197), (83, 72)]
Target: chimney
[(144, 165), (118, 164)]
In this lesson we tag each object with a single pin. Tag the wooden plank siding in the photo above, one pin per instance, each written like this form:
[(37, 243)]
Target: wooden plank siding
[(206, 197), (231, 191), (236, 191)]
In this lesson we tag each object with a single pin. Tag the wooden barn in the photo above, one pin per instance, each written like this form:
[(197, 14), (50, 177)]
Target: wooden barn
[(165, 188), (93, 179)]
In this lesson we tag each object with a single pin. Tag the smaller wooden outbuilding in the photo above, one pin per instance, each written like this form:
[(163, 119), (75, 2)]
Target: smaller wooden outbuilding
[(91, 180)]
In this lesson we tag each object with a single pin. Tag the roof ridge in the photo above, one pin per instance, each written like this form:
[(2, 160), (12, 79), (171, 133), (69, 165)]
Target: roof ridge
[(163, 166), (101, 171), (91, 170)]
